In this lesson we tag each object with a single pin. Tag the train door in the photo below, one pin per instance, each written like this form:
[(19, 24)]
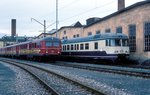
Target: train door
[(43, 48)]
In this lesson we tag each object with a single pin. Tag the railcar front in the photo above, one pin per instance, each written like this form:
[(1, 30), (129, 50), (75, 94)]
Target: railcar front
[(46, 48)]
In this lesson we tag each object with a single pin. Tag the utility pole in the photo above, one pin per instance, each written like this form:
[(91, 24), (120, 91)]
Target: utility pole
[(56, 17), (44, 25)]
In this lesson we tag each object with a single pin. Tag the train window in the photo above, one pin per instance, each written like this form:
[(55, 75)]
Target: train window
[(68, 47), (96, 45), (71, 47), (56, 44), (81, 46), (65, 47), (48, 44), (124, 42), (115, 42), (107, 42), (38, 45), (77, 46), (87, 46)]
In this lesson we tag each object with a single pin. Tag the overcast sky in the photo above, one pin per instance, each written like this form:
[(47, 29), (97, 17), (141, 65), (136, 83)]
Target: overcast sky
[(70, 11)]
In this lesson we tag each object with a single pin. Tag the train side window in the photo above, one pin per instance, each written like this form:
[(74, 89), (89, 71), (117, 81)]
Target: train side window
[(71, 47), (65, 47), (81, 46), (96, 45), (107, 42), (87, 46), (68, 47), (77, 46)]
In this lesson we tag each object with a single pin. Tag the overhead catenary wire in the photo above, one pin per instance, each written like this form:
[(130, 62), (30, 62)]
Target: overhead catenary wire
[(82, 13)]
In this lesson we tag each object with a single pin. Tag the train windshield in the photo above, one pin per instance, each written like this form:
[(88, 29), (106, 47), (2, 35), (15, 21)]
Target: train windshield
[(56, 43), (124, 42), (48, 43), (116, 42)]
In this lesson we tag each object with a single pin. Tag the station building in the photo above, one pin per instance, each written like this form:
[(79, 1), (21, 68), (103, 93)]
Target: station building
[(133, 21)]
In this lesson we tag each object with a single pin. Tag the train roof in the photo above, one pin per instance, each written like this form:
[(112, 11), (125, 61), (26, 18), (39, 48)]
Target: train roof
[(96, 37), (35, 41)]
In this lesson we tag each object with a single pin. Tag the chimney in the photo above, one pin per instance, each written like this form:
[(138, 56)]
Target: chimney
[(121, 4), (13, 27)]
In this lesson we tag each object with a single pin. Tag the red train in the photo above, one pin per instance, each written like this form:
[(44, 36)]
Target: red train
[(40, 49)]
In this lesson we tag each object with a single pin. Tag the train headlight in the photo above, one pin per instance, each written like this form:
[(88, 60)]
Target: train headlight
[(121, 51), (116, 51)]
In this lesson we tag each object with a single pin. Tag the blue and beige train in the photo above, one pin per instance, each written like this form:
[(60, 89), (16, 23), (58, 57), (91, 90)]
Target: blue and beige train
[(102, 46)]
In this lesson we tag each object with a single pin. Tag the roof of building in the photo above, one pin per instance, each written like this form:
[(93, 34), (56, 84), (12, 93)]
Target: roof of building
[(95, 37), (121, 11), (77, 24)]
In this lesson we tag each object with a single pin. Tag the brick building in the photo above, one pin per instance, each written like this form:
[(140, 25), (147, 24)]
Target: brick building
[(133, 21)]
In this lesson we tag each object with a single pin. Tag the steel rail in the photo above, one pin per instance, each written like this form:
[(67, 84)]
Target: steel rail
[(108, 70)]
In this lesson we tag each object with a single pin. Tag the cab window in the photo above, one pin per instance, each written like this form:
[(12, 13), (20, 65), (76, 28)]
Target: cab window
[(48, 44), (56, 44)]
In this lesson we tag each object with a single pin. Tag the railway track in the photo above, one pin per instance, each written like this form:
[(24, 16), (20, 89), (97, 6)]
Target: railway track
[(45, 85), (76, 87), (108, 70)]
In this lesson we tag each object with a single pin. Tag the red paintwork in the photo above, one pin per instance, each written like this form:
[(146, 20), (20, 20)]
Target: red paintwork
[(43, 50)]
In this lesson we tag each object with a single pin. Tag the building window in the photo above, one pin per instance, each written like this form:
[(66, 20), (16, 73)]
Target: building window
[(89, 33), (132, 38), (77, 35), (66, 37), (98, 32), (74, 36), (64, 32), (96, 45), (147, 36), (107, 31), (87, 46), (81, 46), (119, 29)]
